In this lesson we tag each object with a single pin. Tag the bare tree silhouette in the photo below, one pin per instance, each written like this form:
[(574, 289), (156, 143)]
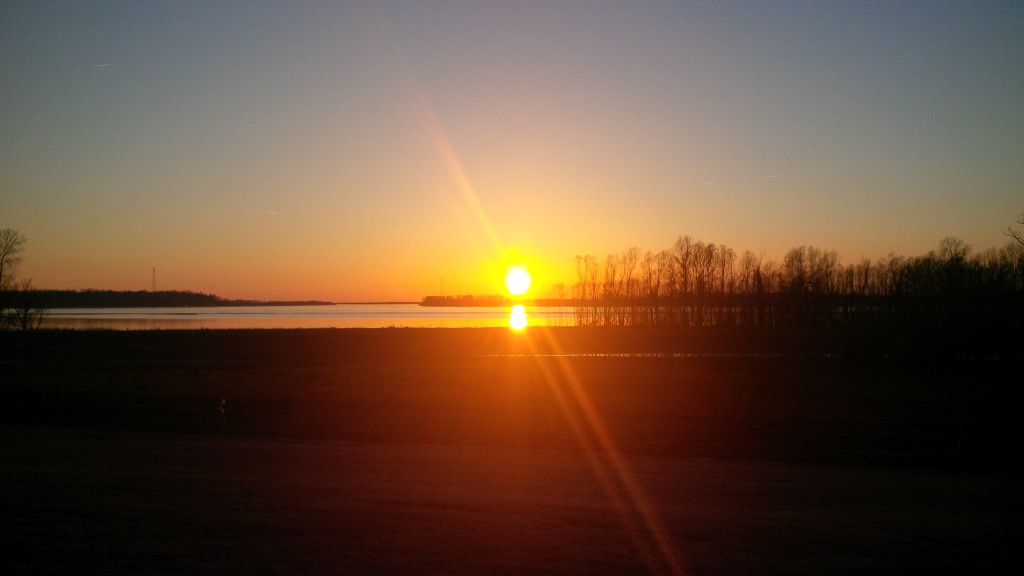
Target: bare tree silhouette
[(19, 305), (25, 310), (12, 244), (1014, 233), (949, 291)]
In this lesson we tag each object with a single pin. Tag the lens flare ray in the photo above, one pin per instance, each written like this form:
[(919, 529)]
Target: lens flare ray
[(618, 482)]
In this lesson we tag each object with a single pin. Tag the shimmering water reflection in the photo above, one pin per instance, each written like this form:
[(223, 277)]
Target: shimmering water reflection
[(327, 316)]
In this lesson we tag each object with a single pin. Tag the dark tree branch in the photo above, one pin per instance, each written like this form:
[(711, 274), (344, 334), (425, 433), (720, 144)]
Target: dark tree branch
[(1013, 233)]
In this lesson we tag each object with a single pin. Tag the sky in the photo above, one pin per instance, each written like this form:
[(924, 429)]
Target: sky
[(375, 151)]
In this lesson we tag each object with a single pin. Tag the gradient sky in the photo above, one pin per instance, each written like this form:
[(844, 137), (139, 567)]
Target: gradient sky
[(354, 151)]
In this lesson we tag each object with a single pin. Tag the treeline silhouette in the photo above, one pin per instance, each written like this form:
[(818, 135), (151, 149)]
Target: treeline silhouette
[(146, 299), (704, 284)]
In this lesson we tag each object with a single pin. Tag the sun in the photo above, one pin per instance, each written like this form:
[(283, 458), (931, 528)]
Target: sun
[(517, 280)]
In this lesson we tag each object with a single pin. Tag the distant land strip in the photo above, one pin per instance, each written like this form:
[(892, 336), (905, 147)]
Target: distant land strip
[(469, 300), (148, 299)]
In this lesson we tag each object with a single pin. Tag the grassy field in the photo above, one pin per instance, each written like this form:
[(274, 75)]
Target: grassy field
[(472, 451)]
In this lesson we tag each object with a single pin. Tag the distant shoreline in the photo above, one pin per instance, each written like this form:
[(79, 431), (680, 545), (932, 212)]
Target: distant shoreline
[(51, 299), (469, 301)]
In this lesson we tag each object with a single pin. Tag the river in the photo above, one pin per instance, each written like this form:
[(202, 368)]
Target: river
[(324, 316)]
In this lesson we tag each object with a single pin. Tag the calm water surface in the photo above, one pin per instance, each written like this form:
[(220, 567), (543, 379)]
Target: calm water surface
[(328, 316)]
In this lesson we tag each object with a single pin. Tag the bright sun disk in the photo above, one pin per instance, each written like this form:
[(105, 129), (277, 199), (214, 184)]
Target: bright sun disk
[(517, 280)]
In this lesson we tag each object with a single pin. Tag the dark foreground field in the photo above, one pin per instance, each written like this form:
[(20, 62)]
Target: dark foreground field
[(480, 451)]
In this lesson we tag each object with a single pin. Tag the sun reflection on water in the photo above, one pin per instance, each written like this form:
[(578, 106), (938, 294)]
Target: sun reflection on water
[(517, 317)]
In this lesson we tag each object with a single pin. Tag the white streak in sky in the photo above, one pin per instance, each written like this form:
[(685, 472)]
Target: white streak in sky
[(102, 65), (271, 212)]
